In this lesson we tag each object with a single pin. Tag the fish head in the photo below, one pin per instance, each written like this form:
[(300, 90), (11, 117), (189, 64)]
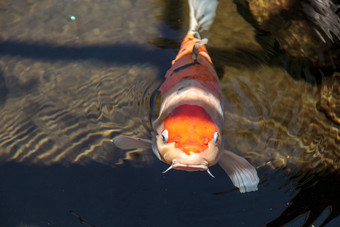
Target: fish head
[(188, 139)]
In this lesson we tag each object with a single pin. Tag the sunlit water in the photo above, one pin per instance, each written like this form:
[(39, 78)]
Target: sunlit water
[(69, 86)]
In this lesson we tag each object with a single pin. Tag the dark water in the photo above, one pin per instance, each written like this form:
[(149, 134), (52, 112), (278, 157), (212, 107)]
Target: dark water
[(67, 87)]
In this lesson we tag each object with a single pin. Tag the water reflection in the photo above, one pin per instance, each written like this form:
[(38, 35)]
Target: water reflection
[(71, 122), (304, 33), (292, 129), (316, 194), (330, 97)]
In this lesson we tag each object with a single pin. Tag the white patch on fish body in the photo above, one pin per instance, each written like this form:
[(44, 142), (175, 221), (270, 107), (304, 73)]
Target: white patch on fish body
[(193, 94), (179, 90)]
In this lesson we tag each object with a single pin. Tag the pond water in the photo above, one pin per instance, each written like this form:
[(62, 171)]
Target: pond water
[(75, 74)]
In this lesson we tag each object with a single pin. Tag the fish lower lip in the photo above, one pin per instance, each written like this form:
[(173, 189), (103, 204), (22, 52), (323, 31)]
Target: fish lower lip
[(180, 166)]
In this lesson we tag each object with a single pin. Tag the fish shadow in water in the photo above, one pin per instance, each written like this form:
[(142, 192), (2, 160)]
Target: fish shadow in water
[(120, 53)]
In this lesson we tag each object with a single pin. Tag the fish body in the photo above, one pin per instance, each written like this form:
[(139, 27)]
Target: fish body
[(191, 113), (188, 131)]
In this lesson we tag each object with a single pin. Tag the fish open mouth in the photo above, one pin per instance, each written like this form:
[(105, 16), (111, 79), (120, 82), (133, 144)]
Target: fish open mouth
[(189, 167), (179, 166)]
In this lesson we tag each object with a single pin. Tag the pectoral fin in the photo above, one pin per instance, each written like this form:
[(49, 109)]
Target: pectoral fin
[(127, 142), (241, 172)]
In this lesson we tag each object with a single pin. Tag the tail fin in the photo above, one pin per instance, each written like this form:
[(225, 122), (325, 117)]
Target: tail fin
[(202, 13)]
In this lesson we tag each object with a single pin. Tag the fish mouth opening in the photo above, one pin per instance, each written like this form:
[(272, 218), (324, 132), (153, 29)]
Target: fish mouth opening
[(179, 166), (189, 167)]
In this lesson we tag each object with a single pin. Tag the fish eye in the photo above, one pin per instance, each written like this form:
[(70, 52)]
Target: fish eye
[(216, 135), (165, 136)]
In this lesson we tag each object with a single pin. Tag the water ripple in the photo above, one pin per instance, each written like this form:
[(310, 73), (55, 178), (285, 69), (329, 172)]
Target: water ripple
[(75, 122)]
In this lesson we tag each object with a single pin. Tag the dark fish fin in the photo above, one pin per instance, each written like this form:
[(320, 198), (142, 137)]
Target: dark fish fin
[(127, 142), (240, 171)]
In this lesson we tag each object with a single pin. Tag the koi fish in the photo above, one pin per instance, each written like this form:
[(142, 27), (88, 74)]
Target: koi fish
[(188, 131)]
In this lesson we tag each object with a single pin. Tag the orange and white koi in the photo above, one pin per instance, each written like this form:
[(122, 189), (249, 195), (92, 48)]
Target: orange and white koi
[(188, 130)]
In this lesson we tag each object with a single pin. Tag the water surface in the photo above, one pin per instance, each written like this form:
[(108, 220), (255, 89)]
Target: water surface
[(69, 86)]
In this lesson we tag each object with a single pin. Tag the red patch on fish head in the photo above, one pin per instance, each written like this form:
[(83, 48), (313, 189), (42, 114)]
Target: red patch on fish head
[(190, 127)]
